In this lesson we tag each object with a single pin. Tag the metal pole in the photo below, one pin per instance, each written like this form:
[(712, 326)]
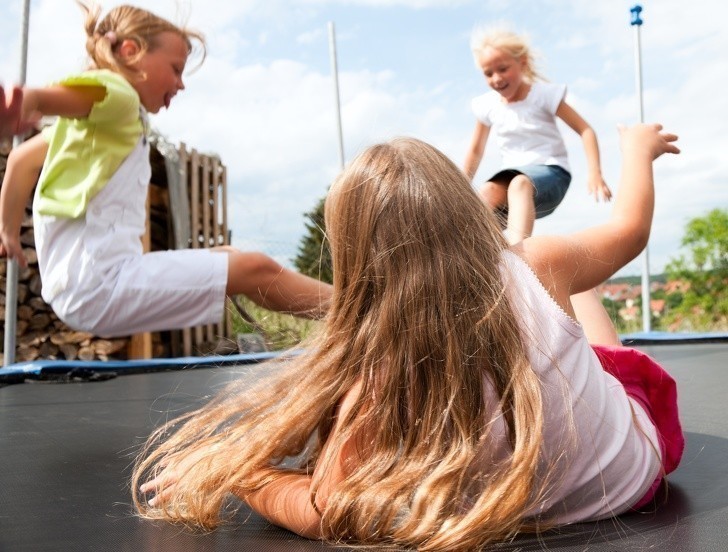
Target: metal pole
[(11, 280), (335, 72), (637, 23)]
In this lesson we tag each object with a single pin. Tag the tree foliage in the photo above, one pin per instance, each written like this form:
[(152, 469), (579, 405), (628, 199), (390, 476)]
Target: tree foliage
[(314, 255), (704, 268)]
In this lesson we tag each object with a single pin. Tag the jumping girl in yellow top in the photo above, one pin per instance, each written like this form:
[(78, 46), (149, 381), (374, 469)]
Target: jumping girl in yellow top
[(89, 205)]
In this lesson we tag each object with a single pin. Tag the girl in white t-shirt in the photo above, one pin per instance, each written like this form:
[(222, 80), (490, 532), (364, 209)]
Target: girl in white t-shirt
[(521, 112)]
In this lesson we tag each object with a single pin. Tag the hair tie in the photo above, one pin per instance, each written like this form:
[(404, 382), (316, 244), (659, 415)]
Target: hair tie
[(111, 37)]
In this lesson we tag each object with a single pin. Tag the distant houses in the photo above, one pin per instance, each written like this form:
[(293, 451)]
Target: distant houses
[(627, 297)]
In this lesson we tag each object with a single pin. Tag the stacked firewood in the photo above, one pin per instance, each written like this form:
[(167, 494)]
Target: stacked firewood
[(39, 334)]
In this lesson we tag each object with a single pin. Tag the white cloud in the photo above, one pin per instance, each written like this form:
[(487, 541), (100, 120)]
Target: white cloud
[(263, 100)]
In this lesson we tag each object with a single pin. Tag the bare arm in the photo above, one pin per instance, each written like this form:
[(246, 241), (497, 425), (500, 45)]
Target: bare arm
[(287, 501), (476, 150), (22, 111), (595, 181), (74, 102), (24, 165), (580, 261), (11, 122)]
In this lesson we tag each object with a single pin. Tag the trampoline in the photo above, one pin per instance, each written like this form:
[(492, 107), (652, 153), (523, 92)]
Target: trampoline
[(66, 452)]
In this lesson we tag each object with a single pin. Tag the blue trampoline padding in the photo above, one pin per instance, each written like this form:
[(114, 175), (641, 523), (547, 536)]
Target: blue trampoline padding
[(673, 337), (39, 368)]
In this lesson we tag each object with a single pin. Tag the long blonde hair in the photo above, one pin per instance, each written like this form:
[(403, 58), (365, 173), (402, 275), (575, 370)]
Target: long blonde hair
[(421, 318), (103, 36)]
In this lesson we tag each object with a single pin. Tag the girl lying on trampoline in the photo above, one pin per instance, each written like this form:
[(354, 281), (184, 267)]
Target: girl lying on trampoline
[(89, 209), (456, 395)]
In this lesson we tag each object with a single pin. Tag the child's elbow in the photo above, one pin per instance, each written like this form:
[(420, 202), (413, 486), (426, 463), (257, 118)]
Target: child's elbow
[(632, 239)]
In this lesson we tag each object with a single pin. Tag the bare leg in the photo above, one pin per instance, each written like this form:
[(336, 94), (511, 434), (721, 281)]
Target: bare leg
[(274, 287), (521, 209), (593, 317), (494, 194)]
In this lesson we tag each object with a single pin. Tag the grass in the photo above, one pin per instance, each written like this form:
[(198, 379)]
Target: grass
[(280, 331)]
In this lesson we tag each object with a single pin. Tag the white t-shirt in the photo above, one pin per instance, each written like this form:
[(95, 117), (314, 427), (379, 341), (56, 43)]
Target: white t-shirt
[(525, 131), (600, 461)]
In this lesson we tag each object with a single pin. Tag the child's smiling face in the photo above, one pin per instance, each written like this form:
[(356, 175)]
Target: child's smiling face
[(163, 65), (503, 73)]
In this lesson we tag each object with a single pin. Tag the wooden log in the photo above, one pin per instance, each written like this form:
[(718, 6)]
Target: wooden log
[(23, 291), (39, 321), (35, 285), (38, 305), (26, 354), (48, 350), (70, 336), (27, 237), (86, 353), (20, 327), (31, 256), (109, 347), (69, 351), (31, 338), (25, 312)]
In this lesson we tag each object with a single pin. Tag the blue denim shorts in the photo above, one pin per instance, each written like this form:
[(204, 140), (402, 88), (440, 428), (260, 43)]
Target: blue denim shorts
[(550, 181)]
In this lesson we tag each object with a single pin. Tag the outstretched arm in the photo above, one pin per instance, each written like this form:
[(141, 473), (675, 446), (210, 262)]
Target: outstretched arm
[(595, 182), (287, 501), (21, 173), (23, 109), (74, 102), (476, 150), (11, 121), (571, 264)]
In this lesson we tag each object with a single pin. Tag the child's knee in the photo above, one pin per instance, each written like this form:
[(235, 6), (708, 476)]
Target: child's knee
[(521, 186), (493, 194)]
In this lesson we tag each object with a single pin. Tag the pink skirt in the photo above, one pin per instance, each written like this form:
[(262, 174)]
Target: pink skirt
[(653, 388)]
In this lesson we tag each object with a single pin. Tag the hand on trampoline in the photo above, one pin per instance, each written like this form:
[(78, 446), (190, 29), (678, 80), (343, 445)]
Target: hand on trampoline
[(162, 486)]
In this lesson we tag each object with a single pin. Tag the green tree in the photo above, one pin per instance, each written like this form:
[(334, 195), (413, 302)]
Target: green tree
[(314, 255), (704, 267)]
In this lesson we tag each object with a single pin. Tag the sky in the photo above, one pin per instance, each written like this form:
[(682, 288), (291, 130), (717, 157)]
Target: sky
[(264, 98)]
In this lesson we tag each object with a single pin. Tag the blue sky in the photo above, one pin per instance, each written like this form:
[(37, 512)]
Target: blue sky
[(263, 100)]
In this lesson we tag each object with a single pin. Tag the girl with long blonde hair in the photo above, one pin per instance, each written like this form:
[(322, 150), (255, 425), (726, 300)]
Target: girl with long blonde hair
[(451, 399), (521, 111)]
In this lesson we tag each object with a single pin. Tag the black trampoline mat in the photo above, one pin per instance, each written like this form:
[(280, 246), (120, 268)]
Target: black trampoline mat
[(66, 451)]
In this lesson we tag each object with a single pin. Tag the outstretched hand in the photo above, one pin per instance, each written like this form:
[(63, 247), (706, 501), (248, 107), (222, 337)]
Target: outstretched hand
[(598, 188), (163, 485), (12, 121), (11, 248), (647, 138)]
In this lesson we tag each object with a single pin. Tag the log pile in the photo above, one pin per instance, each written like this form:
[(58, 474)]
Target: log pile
[(39, 332)]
